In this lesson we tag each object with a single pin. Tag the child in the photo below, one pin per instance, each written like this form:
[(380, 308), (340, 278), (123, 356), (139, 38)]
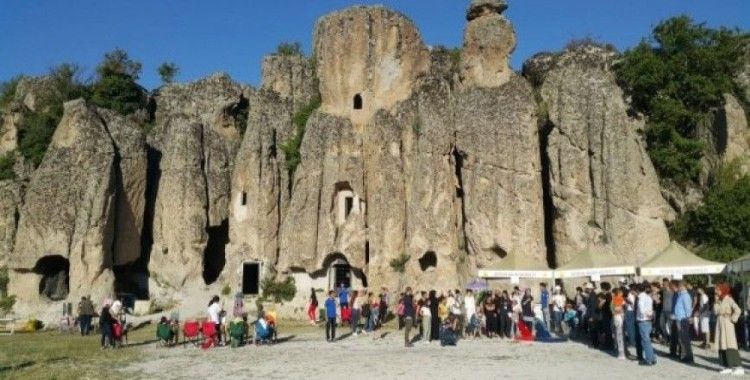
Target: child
[(330, 317), (472, 330), (571, 321)]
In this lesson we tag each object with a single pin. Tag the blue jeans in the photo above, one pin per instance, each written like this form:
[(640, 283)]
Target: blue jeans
[(556, 320), (372, 323), (630, 327), (644, 327), (85, 321)]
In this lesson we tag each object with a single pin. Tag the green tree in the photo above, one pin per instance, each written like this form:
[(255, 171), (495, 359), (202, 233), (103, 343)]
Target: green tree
[(675, 77), (7, 162), (116, 87), (8, 90), (168, 71), (721, 224)]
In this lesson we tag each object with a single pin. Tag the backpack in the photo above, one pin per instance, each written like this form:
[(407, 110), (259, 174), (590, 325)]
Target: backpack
[(401, 309)]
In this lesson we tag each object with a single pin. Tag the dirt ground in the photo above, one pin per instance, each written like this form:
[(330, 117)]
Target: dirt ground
[(304, 353)]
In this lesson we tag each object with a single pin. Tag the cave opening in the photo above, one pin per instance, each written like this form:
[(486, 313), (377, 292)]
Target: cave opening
[(427, 261), (357, 102), (548, 204), (214, 256), (250, 278), (55, 281)]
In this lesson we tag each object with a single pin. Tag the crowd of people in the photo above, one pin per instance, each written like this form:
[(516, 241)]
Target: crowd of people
[(624, 319), (111, 317)]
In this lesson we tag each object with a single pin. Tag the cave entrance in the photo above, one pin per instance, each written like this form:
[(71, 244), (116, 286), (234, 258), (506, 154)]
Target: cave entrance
[(427, 261), (250, 278), (340, 272), (214, 256), (55, 272), (357, 102)]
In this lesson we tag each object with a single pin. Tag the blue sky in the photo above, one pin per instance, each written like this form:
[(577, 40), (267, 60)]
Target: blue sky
[(203, 37)]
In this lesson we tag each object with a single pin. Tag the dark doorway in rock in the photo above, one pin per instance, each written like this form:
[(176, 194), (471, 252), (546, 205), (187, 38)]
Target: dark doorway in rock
[(250, 278), (244, 198), (367, 252), (458, 162), (342, 274), (348, 205), (214, 257), (131, 279), (357, 102), (55, 272), (427, 261)]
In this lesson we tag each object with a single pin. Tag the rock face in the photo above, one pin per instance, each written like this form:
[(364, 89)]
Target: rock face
[(367, 59), (196, 139), (66, 227), (292, 77), (10, 198), (489, 40), (603, 188)]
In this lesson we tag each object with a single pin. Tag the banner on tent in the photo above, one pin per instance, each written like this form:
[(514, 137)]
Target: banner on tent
[(667, 271), (588, 272), (512, 274)]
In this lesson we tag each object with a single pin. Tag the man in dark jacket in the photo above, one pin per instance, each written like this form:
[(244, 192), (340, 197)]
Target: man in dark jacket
[(408, 315), (85, 314)]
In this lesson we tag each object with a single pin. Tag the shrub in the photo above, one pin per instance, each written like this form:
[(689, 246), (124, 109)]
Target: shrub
[(291, 147), (278, 291), (7, 162), (289, 48), (168, 71), (4, 279), (6, 304), (116, 86), (676, 77), (226, 290), (35, 133), (8, 90), (398, 264)]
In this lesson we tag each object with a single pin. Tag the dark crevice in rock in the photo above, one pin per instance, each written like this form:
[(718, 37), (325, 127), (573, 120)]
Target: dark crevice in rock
[(427, 261), (153, 179), (457, 158), (548, 205), (214, 256)]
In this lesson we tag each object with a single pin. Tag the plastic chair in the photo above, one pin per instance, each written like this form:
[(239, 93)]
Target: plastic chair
[(191, 332), (208, 329)]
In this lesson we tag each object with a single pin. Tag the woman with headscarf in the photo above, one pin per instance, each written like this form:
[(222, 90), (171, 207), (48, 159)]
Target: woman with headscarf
[(435, 325), (727, 314), (490, 313)]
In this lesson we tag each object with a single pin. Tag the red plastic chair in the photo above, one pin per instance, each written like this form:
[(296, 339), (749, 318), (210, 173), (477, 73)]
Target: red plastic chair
[(191, 331), (525, 334), (209, 334)]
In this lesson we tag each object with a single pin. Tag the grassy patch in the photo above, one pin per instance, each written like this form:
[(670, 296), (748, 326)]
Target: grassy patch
[(51, 355)]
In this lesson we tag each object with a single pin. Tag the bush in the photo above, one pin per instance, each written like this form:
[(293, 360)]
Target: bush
[(226, 290), (278, 291), (398, 264), (4, 280), (291, 147), (7, 162), (35, 133), (289, 48), (116, 86), (8, 90), (168, 71), (676, 77), (6, 304)]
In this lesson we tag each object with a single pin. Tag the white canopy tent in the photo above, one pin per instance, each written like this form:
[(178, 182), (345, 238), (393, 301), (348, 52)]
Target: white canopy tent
[(740, 265), (594, 264), (515, 267), (677, 261)]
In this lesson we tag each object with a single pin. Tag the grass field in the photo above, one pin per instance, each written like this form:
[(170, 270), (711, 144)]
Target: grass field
[(52, 355)]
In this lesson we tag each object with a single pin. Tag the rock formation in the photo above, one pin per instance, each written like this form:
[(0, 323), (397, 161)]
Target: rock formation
[(604, 190), (489, 40)]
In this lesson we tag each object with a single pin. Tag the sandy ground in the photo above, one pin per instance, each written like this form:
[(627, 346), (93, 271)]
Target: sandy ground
[(306, 354)]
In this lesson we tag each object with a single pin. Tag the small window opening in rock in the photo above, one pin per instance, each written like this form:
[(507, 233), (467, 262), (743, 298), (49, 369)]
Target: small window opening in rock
[(427, 261), (367, 252), (250, 278), (348, 205), (498, 250), (358, 102), (244, 198), (55, 272), (214, 256)]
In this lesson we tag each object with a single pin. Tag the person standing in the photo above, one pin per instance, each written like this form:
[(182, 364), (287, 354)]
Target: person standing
[(106, 322), (618, 321), (343, 293), (490, 312), (356, 302), (434, 319), (544, 301), (384, 300), (330, 305), (645, 317), (426, 315), (558, 308), (470, 306), (408, 302), (704, 317), (312, 309), (665, 320), (85, 314), (527, 308), (727, 314), (683, 309), (214, 315), (629, 323)]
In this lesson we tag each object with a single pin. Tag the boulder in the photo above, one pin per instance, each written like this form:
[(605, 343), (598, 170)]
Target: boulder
[(377, 41), (66, 229), (603, 188), (489, 39)]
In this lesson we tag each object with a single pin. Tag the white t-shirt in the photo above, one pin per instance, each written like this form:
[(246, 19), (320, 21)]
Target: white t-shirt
[(213, 312), (471, 307), (425, 311), (558, 300)]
